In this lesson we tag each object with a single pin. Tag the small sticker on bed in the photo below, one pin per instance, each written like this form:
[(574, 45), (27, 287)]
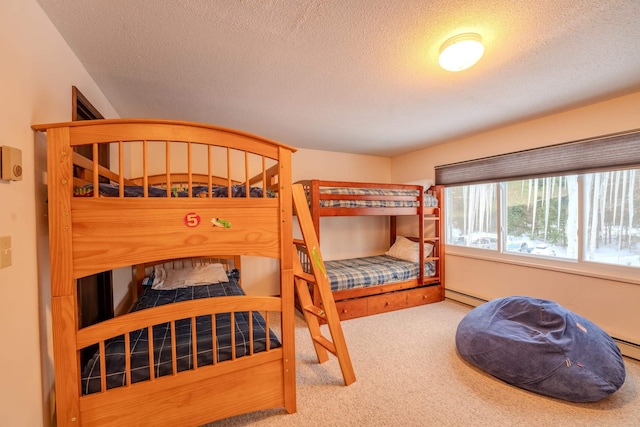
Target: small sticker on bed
[(219, 222)]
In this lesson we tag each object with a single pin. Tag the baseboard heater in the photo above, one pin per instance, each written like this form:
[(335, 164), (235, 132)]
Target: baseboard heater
[(628, 349)]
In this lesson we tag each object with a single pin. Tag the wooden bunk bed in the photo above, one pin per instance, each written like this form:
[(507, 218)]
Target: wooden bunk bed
[(371, 285), (103, 219)]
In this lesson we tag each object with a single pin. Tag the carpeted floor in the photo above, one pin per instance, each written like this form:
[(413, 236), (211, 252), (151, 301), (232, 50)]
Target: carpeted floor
[(409, 374)]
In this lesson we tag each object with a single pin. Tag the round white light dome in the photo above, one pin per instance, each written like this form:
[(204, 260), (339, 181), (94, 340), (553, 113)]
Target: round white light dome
[(461, 52)]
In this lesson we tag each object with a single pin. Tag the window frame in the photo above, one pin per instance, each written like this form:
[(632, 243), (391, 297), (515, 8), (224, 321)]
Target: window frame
[(578, 266)]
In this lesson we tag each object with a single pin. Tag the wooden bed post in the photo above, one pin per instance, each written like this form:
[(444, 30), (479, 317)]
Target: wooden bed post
[(63, 292), (440, 236), (286, 278)]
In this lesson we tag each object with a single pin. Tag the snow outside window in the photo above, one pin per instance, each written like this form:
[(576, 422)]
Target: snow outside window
[(471, 216), (612, 217), (542, 217)]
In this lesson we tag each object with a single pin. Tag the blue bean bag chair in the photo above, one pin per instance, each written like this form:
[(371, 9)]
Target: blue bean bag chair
[(542, 347)]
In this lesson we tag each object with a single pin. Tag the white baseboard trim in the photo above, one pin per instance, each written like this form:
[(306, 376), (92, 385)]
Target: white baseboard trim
[(463, 298), (628, 349)]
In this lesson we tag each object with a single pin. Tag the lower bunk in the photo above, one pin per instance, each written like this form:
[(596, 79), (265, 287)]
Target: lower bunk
[(192, 340), (376, 284)]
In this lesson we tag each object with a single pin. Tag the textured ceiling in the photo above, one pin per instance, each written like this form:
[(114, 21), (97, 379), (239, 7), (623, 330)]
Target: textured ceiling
[(357, 76)]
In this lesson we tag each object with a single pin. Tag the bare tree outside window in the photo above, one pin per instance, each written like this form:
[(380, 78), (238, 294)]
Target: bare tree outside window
[(541, 217), (612, 228)]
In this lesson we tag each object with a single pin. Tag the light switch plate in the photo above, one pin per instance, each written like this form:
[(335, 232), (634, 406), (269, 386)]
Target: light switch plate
[(10, 163), (5, 251)]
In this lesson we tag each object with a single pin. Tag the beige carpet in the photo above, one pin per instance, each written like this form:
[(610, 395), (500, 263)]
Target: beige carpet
[(409, 374)]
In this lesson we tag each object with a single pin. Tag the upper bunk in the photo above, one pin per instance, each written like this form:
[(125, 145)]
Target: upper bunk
[(348, 198), (223, 192)]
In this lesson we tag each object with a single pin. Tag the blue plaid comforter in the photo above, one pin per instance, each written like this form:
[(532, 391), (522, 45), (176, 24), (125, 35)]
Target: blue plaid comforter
[(429, 200), (372, 271), (114, 349)]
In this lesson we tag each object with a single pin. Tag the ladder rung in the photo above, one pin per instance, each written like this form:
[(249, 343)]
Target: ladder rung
[(325, 343), (316, 311), (306, 276)]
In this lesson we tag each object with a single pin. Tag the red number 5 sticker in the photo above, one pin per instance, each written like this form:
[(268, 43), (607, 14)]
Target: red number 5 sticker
[(192, 219)]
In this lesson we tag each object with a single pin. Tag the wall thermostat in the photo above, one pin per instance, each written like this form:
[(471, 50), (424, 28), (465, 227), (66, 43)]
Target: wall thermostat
[(10, 163)]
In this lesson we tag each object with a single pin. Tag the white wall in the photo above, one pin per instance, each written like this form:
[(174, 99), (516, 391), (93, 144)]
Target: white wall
[(612, 304), (37, 72)]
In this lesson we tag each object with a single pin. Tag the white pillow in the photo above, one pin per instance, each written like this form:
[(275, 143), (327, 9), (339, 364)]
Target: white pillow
[(193, 276), (408, 250), (426, 183)]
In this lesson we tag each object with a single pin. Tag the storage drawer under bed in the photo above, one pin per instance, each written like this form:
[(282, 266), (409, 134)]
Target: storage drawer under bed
[(365, 306)]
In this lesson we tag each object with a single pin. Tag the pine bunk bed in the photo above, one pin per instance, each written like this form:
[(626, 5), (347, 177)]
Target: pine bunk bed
[(371, 285), (102, 218)]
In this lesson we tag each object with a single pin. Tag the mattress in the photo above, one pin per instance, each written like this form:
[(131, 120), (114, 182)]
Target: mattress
[(429, 200), (113, 190), (114, 349), (372, 271)]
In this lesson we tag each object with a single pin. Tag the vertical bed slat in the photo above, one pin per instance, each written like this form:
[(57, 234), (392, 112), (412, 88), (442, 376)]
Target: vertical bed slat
[(96, 172), (103, 367), (167, 166), (174, 361), (251, 333), (152, 374), (189, 170), (194, 343), (214, 341), (228, 172), (246, 175), (233, 335), (120, 169), (127, 358), (266, 327), (265, 184), (145, 171), (210, 171)]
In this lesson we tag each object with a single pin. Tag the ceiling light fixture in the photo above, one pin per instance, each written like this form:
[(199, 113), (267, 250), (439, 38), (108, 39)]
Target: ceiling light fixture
[(461, 52)]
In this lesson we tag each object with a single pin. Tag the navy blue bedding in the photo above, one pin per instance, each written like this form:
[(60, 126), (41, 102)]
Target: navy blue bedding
[(114, 349), (113, 190)]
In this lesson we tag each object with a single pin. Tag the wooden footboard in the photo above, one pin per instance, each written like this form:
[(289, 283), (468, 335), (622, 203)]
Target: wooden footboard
[(238, 376)]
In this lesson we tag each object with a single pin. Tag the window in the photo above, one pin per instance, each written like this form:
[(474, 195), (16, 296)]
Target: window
[(472, 216), (611, 217), (541, 217), (576, 202)]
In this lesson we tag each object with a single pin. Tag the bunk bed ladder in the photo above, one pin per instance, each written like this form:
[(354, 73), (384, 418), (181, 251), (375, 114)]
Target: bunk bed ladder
[(327, 311)]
